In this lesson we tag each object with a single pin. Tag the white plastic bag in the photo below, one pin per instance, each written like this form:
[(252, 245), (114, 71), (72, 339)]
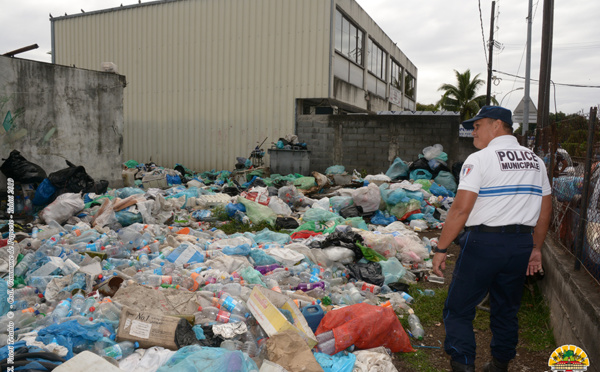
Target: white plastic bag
[(279, 207), (64, 207), (432, 152), (368, 198)]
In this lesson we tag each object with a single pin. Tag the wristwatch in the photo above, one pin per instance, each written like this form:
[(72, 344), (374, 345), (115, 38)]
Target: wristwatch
[(437, 250)]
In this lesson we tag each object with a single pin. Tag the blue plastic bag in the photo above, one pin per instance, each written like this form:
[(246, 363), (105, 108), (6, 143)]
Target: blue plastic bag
[(438, 190), (335, 169), (261, 258), (214, 359), (447, 180), (44, 193), (397, 169), (420, 174), (4, 305), (340, 362), (268, 236), (380, 219), (231, 208), (173, 180), (127, 218), (128, 191)]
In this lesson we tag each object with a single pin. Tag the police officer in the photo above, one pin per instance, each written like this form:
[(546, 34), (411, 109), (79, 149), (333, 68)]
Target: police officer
[(503, 203)]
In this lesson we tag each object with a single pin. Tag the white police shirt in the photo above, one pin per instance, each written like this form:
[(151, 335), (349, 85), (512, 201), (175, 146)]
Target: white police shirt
[(510, 181)]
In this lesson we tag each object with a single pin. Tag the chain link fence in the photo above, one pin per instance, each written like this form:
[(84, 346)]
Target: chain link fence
[(569, 147)]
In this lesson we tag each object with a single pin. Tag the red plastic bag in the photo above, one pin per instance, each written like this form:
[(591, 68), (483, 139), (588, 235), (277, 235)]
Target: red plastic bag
[(365, 326)]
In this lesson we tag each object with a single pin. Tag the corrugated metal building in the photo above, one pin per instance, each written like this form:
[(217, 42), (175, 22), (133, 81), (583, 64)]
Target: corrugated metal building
[(209, 79)]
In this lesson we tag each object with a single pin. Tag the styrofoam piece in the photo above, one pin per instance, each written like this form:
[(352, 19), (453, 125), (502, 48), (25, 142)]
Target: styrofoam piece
[(89, 362), (212, 200)]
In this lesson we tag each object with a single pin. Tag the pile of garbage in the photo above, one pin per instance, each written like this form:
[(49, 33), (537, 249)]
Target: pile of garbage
[(224, 270)]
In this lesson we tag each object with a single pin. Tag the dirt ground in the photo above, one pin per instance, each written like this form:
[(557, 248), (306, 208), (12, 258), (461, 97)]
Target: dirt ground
[(525, 361)]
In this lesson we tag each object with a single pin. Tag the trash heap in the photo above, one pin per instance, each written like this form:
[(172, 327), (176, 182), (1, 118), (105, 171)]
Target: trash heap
[(226, 270)]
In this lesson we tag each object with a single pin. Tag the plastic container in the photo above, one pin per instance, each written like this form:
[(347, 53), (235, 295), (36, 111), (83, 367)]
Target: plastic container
[(121, 350), (313, 315), (416, 329)]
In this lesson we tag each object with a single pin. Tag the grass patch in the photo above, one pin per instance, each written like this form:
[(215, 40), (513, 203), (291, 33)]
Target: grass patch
[(428, 308), (534, 322), (419, 361)]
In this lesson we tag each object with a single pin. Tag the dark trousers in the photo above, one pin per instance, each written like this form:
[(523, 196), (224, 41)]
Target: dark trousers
[(494, 262)]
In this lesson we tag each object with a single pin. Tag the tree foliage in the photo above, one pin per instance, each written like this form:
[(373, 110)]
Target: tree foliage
[(463, 97)]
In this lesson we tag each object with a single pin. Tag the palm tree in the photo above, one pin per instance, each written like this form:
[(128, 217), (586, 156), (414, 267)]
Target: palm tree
[(462, 97)]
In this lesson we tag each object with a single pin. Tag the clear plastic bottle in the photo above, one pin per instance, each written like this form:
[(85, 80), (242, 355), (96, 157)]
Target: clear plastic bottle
[(61, 311), (368, 287), (25, 264), (303, 266), (77, 303), (25, 292), (272, 284), (120, 350), (415, 326), (232, 305), (209, 314)]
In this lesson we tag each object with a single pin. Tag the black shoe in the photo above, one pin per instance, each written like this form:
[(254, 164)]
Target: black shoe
[(459, 367), (496, 366)]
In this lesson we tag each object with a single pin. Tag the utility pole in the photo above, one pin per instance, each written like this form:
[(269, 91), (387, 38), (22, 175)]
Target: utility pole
[(527, 98), (545, 64), (488, 96)]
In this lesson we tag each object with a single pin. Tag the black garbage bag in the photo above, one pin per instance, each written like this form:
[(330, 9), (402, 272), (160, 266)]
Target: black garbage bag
[(399, 287), (421, 163), (351, 211), (21, 170), (342, 238), (456, 168), (369, 272), (75, 179), (185, 335), (286, 223)]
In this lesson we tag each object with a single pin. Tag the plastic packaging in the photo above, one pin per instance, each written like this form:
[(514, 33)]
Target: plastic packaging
[(120, 350), (416, 329)]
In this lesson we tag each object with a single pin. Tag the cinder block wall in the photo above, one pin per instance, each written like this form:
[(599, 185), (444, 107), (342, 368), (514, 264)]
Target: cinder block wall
[(66, 113), (372, 142), (574, 302)]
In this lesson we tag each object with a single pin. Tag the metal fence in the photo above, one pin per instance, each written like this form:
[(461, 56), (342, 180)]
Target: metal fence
[(574, 172)]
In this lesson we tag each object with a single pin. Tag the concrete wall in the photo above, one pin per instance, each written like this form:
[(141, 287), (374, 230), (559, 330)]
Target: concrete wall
[(67, 113), (372, 142), (574, 303)]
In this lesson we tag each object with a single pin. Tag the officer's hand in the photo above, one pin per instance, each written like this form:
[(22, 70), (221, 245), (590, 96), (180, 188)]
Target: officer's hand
[(439, 262), (535, 262)]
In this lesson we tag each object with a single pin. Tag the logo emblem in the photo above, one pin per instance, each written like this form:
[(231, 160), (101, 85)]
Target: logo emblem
[(466, 169), (569, 358)]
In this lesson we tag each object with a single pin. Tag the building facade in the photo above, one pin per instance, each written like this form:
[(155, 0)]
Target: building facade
[(208, 80)]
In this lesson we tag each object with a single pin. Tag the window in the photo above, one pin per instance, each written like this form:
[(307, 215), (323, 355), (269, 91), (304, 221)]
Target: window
[(348, 38), (409, 86), (396, 75), (376, 58)]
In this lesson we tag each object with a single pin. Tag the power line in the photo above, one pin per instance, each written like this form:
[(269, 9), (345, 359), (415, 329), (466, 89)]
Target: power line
[(482, 33), (561, 84)]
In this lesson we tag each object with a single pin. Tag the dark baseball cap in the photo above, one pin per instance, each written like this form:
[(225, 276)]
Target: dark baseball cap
[(492, 112)]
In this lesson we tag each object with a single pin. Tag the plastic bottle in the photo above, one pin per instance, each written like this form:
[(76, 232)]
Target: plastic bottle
[(25, 292), (77, 303), (326, 343), (303, 266), (272, 284), (232, 305), (120, 350), (263, 269), (212, 314), (305, 287), (61, 310), (25, 264), (27, 205), (415, 326), (309, 277), (407, 298), (41, 282), (363, 286)]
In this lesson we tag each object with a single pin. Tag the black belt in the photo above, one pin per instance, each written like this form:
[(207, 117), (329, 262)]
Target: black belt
[(508, 229)]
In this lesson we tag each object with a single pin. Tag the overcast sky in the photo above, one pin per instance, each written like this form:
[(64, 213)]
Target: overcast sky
[(438, 36)]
